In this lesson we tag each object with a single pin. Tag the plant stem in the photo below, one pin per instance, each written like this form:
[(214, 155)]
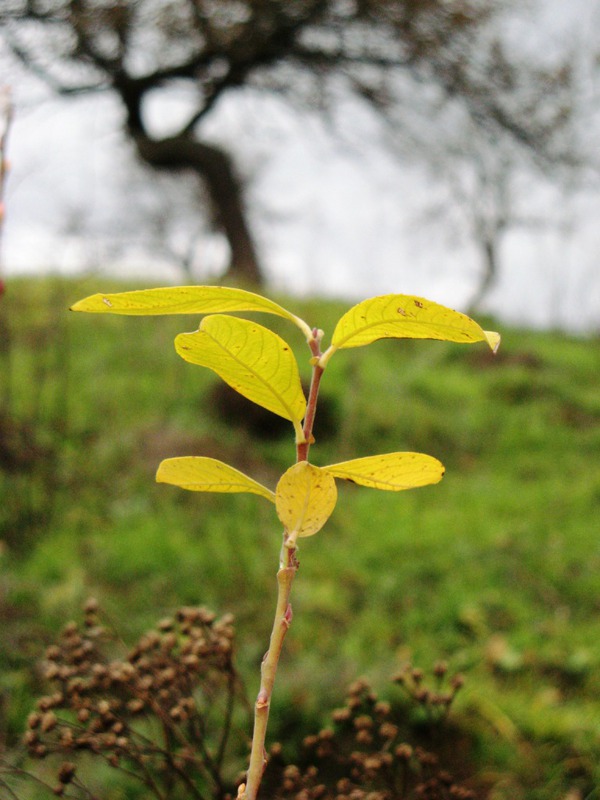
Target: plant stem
[(304, 447), (311, 405), (288, 566), (281, 623)]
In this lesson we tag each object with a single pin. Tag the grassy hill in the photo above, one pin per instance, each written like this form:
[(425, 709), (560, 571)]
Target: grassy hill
[(496, 570)]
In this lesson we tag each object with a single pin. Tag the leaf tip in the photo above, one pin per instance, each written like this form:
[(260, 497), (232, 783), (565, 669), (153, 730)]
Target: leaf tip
[(493, 339), (80, 305), (94, 303)]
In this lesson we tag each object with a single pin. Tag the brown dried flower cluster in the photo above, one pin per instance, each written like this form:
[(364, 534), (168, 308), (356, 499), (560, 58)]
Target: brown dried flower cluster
[(180, 675), (364, 754), (162, 714)]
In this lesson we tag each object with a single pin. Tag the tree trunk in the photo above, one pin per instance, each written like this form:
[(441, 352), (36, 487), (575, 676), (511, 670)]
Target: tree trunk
[(215, 169)]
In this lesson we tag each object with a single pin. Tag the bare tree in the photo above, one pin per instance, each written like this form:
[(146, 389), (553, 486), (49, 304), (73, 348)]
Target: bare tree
[(307, 50)]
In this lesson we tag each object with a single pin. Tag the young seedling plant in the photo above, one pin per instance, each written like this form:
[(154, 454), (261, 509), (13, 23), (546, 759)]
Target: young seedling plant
[(260, 365)]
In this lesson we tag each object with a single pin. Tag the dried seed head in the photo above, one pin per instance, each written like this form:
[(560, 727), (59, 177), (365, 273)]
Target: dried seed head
[(364, 737), (417, 676), (44, 703), (51, 671), (403, 752), (168, 641), (425, 758), (292, 772), (440, 669), (167, 675), (33, 720), (66, 738), (48, 721), (30, 738), (372, 763), (388, 730), (69, 630), (358, 687), (91, 606), (66, 772), (146, 682), (53, 653), (382, 708), (99, 670), (341, 715), (422, 696), (206, 616), (109, 740), (103, 707), (457, 682)]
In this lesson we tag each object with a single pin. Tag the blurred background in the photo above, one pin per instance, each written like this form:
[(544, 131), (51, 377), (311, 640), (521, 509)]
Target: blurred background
[(344, 148), (321, 152)]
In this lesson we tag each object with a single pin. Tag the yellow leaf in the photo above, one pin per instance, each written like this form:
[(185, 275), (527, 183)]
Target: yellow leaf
[(391, 471), (400, 316), (305, 498), (251, 359), (186, 300), (201, 474)]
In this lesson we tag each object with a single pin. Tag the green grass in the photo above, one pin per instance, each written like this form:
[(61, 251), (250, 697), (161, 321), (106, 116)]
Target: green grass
[(497, 569)]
